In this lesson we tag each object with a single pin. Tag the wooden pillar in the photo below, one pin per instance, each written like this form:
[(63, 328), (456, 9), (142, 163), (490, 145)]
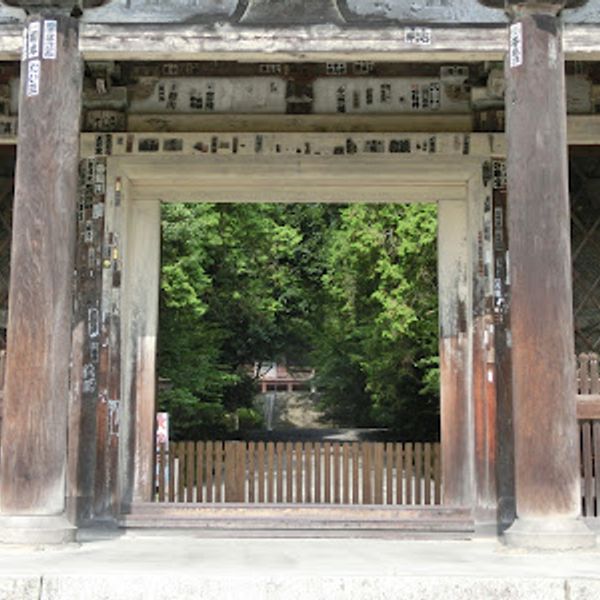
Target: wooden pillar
[(455, 412), (505, 465), (483, 372), (548, 496), (141, 287), (34, 440)]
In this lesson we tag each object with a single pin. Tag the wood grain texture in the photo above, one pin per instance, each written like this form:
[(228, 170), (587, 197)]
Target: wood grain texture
[(308, 473), (505, 477), (270, 472), (171, 485), (199, 471), (180, 471), (546, 448), (596, 434), (588, 466), (456, 418), (209, 472), (298, 455), (34, 441), (184, 469), (218, 467), (162, 472), (289, 486), (280, 470), (408, 472)]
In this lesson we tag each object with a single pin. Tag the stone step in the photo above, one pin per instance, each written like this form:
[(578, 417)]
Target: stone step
[(294, 518)]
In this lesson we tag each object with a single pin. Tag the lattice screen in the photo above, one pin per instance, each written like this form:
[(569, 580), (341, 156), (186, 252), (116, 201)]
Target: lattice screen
[(585, 220)]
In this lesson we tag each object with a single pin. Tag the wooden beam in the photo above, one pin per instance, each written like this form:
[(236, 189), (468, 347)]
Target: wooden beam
[(293, 44), (195, 42), (588, 406), (581, 129), (273, 123), (460, 44)]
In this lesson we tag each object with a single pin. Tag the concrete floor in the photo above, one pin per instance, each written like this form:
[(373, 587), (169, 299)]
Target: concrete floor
[(186, 567)]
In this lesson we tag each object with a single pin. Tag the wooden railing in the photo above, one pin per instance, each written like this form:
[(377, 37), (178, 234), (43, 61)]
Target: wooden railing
[(588, 413), (299, 473)]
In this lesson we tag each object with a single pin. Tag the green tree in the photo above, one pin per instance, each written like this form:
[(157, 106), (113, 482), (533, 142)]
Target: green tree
[(379, 365), (349, 290), (226, 276)]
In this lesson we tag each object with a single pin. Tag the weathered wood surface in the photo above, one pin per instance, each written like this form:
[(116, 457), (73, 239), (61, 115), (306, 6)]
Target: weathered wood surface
[(455, 44), (483, 369), (2, 370), (34, 440), (588, 374), (547, 482), (588, 387), (505, 469), (139, 310), (455, 411), (590, 466), (292, 473), (588, 406), (588, 413), (92, 471), (281, 519), (173, 42)]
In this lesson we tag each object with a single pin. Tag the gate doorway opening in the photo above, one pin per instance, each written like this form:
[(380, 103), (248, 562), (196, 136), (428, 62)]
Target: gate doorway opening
[(136, 173), (298, 354)]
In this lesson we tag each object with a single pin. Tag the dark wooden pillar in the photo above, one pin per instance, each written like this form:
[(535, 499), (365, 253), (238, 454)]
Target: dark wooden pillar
[(505, 467), (34, 441), (546, 443)]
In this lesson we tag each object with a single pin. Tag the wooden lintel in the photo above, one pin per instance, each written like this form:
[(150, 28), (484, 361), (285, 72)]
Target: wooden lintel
[(588, 406), (196, 42), (582, 130), (270, 123)]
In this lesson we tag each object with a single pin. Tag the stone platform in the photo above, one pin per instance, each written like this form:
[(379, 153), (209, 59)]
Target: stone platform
[(153, 566), (187, 567)]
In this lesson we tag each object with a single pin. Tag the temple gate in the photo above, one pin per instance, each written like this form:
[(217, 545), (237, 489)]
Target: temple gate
[(324, 100)]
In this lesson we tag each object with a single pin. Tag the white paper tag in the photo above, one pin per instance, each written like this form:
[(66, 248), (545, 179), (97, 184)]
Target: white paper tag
[(34, 68), (24, 48), (516, 45), (418, 36), (50, 40), (33, 40), (98, 210)]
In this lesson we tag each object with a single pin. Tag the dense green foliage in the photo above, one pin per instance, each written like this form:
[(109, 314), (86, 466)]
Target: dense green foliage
[(378, 355), (349, 290)]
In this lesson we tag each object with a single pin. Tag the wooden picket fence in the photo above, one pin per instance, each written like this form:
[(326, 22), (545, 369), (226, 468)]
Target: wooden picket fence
[(588, 412), (299, 473)]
